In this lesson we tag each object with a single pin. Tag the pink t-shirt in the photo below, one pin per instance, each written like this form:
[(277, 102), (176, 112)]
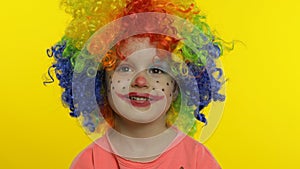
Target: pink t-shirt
[(183, 153)]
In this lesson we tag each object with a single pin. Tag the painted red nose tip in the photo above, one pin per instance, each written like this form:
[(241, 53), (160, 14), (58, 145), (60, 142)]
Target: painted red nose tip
[(140, 81)]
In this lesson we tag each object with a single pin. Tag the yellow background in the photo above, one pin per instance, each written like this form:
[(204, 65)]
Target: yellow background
[(260, 125)]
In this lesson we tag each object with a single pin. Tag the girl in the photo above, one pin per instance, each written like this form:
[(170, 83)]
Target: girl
[(138, 85)]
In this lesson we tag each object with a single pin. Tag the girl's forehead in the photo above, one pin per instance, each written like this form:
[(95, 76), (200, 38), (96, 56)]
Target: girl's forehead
[(141, 51), (134, 44), (142, 56)]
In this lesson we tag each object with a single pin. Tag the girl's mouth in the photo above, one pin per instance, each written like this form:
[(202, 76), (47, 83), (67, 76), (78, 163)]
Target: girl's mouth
[(139, 99)]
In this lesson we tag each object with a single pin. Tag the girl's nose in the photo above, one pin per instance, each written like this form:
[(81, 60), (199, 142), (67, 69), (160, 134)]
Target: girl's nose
[(140, 81)]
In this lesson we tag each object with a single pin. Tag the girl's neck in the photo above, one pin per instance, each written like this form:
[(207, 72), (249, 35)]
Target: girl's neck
[(140, 130), (141, 149)]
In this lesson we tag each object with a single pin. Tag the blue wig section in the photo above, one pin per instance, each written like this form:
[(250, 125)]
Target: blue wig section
[(205, 87), (202, 68), (87, 89), (64, 70), (208, 85)]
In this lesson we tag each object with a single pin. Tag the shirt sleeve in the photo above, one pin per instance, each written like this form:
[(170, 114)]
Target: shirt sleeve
[(84, 160), (206, 160)]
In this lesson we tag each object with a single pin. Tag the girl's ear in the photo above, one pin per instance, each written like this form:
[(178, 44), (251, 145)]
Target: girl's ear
[(175, 92)]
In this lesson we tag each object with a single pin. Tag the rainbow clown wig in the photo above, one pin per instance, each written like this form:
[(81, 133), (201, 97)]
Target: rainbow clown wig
[(91, 46)]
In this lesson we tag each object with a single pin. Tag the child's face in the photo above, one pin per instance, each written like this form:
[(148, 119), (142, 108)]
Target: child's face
[(138, 89)]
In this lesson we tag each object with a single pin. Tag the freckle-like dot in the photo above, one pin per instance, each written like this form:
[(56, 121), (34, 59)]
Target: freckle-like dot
[(113, 88), (110, 77), (110, 82), (167, 84), (170, 94), (171, 81), (157, 81), (163, 89), (153, 88), (123, 87), (118, 81), (128, 79)]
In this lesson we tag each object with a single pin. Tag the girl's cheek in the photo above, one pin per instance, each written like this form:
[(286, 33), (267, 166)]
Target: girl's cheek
[(166, 86), (119, 84)]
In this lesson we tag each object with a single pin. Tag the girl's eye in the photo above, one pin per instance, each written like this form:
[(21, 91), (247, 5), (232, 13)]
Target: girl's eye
[(124, 69), (155, 71)]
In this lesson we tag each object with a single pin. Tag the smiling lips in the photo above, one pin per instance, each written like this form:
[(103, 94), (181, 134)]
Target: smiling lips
[(139, 99)]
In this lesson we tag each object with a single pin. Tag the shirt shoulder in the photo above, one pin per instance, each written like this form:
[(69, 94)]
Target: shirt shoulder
[(95, 157), (195, 154), (84, 159), (205, 160)]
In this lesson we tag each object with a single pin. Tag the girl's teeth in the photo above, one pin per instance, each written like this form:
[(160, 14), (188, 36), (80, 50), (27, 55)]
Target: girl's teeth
[(138, 98)]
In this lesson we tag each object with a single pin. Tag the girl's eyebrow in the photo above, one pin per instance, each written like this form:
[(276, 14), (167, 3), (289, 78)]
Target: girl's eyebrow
[(163, 64)]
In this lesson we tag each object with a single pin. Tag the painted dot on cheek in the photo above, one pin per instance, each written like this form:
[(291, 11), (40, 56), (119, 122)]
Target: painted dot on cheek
[(167, 84), (118, 81), (157, 81), (153, 89), (113, 88), (123, 87), (170, 95), (163, 89)]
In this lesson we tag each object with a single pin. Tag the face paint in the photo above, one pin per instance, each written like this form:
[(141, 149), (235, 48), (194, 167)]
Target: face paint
[(137, 93)]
